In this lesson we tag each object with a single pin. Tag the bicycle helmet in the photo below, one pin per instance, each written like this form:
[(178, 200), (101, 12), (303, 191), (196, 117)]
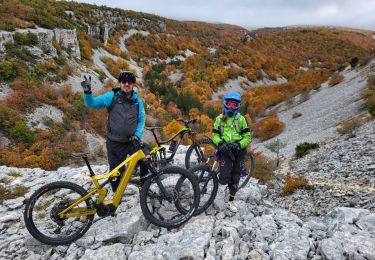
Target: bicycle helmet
[(232, 103), (125, 76)]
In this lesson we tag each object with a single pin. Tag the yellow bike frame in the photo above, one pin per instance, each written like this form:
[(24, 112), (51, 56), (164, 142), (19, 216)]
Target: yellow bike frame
[(130, 163)]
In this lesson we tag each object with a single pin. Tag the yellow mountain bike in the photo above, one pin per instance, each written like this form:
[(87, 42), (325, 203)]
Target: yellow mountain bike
[(61, 212)]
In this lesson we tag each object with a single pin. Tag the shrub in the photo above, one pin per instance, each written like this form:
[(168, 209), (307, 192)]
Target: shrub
[(354, 62), (268, 128), (335, 79), (264, 168), (292, 183), (296, 114), (304, 148), (8, 70), (368, 95), (186, 101), (25, 38), (21, 133), (275, 147), (349, 126), (304, 96)]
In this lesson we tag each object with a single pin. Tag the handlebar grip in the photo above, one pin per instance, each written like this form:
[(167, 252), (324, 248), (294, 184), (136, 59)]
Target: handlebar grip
[(136, 143)]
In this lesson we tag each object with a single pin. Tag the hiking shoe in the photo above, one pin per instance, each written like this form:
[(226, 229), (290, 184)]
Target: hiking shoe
[(231, 207)]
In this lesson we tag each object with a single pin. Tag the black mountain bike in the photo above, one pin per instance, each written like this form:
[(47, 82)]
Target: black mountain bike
[(207, 175), (197, 153)]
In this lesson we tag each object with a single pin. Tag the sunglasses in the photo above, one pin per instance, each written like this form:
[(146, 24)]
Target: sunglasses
[(129, 82)]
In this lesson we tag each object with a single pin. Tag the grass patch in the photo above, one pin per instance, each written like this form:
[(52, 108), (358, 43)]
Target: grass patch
[(5, 180), (19, 190), (296, 114), (335, 79), (5, 194), (14, 174), (293, 183), (350, 126), (264, 168)]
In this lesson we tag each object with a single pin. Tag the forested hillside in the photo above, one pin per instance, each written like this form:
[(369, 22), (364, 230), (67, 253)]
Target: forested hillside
[(182, 69)]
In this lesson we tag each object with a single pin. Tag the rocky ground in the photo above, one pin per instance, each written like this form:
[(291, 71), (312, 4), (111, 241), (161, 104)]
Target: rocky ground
[(341, 173), (264, 226)]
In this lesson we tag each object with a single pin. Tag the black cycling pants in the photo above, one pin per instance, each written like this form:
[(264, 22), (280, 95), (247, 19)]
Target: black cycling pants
[(230, 171), (117, 153)]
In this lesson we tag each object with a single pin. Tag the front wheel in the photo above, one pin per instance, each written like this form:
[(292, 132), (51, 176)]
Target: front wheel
[(199, 152), (160, 197), (247, 169), (208, 184), (42, 209)]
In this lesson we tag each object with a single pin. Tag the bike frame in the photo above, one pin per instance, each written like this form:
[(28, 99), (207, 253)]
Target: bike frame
[(99, 189), (181, 133)]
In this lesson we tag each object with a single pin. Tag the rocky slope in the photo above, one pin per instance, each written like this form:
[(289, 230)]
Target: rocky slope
[(341, 173), (322, 113), (262, 227)]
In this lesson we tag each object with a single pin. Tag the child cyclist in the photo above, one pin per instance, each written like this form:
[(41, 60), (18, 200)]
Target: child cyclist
[(231, 133)]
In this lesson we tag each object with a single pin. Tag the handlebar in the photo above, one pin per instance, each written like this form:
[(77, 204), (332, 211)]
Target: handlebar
[(188, 122)]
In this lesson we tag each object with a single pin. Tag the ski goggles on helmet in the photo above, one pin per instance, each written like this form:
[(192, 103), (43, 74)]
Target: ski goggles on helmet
[(231, 104)]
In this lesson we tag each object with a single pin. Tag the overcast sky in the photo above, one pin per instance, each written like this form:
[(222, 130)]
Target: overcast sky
[(258, 13)]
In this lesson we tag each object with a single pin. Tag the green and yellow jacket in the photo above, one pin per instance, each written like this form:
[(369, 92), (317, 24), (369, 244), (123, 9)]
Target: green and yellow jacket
[(231, 129)]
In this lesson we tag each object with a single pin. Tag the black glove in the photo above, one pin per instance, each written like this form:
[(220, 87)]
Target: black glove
[(223, 147), (86, 85), (135, 141), (235, 147), (116, 89)]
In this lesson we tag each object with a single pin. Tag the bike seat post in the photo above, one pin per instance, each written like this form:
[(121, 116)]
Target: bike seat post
[(88, 166), (156, 138)]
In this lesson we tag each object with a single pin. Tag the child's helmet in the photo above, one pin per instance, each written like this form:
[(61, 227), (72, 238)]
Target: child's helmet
[(232, 103)]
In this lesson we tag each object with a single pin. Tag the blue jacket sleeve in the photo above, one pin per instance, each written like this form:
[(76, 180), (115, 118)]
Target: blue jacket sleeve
[(141, 119), (101, 101)]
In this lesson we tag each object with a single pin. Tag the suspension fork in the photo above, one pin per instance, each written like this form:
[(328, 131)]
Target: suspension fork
[(156, 174), (197, 147)]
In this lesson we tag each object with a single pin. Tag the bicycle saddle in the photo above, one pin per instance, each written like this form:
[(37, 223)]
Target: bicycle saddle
[(81, 154), (152, 128)]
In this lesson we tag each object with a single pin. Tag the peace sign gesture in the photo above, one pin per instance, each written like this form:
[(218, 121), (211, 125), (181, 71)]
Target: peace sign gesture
[(86, 84)]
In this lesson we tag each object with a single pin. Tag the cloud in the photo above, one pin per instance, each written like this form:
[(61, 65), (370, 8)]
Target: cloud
[(270, 13)]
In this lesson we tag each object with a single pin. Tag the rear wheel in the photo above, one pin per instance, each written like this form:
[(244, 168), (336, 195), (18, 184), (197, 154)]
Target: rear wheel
[(248, 169), (199, 152), (42, 209), (161, 195)]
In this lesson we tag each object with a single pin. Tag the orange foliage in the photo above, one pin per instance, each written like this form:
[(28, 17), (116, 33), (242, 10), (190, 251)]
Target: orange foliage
[(84, 45), (51, 65), (268, 128), (292, 183), (172, 128), (174, 111)]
